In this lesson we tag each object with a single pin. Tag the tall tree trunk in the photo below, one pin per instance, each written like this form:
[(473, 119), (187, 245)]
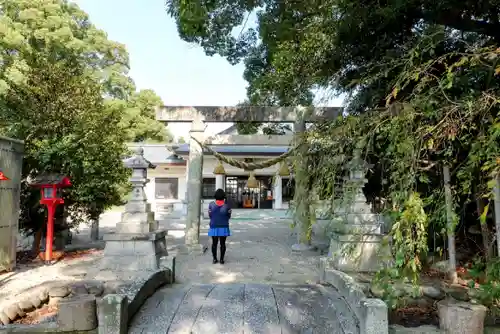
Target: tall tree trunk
[(94, 229), (485, 232), (496, 191), (450, 226)]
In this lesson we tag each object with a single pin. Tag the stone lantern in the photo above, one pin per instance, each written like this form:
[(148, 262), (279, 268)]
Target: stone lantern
[(357, 243), (137, 244)]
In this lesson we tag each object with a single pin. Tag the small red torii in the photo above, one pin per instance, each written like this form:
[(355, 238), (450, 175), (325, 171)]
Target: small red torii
[(50, 186)]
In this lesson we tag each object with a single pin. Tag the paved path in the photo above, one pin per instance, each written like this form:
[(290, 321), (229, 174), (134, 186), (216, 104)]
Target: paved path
[(263, 288), (234, 308), (256, 252)]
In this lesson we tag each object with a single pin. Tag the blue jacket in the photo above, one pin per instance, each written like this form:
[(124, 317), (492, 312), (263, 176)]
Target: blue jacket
[(219, 215)]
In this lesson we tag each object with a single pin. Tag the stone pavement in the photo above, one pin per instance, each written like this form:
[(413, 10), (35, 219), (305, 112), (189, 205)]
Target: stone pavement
[(262, 288), (244, 309), (256, 252)]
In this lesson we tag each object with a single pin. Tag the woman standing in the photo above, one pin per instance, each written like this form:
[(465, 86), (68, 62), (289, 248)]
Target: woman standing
[(220, 213)]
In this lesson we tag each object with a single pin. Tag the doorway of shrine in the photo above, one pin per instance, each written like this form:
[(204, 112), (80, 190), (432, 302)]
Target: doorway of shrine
[(241, 197)]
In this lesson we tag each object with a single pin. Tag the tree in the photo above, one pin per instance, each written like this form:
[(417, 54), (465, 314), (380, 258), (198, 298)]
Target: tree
[(337, 44), (423, 88), (65, 91), (63, 128), (140, 118), (59, 30)]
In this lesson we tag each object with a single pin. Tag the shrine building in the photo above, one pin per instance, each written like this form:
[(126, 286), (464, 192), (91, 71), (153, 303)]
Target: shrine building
[(167, 188)]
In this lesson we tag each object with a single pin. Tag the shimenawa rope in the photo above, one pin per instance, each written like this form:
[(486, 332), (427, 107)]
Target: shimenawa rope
[(250, 166)]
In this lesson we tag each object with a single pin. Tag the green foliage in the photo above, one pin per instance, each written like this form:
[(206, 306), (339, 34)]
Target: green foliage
[(140, 118), (65, 91), (423, 86), (486, 282), (61, 125), (341, 44), (409, 236)]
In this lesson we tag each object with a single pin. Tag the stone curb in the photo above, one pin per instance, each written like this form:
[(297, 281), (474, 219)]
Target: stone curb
[(53, 293), (116, 310), (372, 313), (41, 328)]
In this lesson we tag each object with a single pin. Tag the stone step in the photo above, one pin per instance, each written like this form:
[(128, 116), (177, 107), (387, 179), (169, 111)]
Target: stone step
[(313, 310)]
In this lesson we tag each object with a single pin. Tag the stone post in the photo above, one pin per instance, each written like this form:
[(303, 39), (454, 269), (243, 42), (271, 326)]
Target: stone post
[(137, 244), (185, 200), (301, 199), (194, 184), (278, 195)]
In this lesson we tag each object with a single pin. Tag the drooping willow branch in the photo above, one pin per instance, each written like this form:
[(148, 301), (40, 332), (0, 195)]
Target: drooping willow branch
[(247, 165)]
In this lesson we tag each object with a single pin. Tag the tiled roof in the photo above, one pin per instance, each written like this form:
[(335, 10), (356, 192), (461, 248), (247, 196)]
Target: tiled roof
[(229, 131), (158, 153), (240, 149), (155, 153)]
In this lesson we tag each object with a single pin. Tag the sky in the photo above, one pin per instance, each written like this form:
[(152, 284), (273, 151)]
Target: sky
[(179, 72)]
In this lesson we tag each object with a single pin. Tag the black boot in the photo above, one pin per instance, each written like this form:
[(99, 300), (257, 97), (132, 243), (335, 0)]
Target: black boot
[(215, 261)]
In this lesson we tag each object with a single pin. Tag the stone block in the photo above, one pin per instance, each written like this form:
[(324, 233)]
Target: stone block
[(4, 319), (26, 305), (168, 262), (113, 315), (134, 251), (155, 235), (59, 291), (359, 253), (457, 317), (323, 266), (135, 247), (371, 313), (357, 223), (136, 225), (77, 313), (376, 320), (13, 312), (130, 263), (320, 234), (138, 207)]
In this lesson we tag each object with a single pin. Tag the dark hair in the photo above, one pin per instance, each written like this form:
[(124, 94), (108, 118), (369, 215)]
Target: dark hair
[(220, 195)]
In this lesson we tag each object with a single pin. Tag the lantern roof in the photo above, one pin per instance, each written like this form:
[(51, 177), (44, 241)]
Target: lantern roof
[(137, 160), (49, 180)]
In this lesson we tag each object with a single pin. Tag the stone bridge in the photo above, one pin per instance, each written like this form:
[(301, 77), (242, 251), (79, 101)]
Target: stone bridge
[(245, 309)]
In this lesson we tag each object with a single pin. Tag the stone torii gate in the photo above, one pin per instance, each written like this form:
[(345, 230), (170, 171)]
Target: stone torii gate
[(198, 116)]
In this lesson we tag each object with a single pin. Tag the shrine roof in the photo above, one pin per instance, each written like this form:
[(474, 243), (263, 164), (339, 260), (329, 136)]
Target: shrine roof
[(49, 179), (155, 153)]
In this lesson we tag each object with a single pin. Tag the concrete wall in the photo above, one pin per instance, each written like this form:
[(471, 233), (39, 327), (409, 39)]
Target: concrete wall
[(11, 160)]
